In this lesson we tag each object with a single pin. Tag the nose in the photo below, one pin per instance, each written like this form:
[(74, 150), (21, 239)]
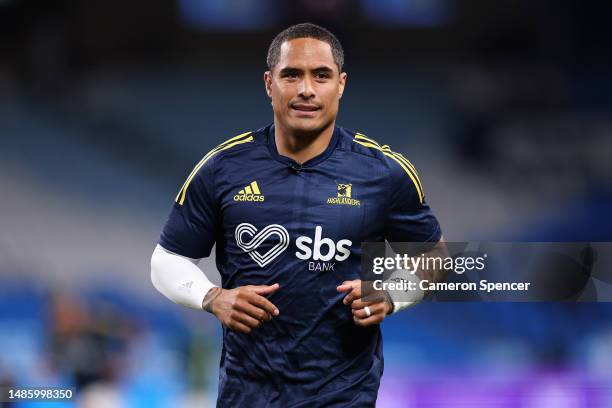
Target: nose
[(306, 89)]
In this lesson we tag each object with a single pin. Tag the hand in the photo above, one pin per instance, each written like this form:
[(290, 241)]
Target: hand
[(241, 309), (376, 301)]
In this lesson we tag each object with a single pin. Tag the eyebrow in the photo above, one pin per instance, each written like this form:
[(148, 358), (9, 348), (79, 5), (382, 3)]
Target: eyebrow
[(322, 68)]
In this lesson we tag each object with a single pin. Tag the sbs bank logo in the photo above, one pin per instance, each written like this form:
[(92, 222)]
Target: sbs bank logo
[(257, 237), (338, 251), (318, 250)]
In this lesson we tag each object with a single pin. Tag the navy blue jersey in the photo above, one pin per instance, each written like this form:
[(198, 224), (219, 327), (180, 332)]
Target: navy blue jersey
[(276, 221)]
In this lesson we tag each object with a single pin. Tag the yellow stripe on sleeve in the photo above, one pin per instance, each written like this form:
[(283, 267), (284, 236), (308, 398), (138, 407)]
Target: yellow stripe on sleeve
[(213, 151), (236, 140), (367, 139), (411, 167), (398, 155), (398, 158)]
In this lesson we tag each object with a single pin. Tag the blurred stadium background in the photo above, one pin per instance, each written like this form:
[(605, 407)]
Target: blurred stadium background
[(504, 107)]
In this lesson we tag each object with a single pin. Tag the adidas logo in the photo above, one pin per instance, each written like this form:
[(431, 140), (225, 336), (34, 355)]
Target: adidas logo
[(250, 193)]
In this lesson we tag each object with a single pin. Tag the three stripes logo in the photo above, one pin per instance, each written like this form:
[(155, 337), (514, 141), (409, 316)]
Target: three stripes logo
[(256, 238), (250, 193)]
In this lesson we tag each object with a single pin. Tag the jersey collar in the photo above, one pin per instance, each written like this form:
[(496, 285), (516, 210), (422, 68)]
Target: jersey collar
[(309, 163)]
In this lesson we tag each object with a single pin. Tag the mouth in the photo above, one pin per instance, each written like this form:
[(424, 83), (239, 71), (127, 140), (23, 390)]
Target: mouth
[(305, 109)]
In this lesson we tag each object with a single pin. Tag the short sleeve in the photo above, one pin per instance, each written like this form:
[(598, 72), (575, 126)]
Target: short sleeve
[(409, 218), (192, 224)]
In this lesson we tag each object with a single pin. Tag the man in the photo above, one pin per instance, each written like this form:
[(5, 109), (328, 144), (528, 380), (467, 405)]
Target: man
[(288, 207)]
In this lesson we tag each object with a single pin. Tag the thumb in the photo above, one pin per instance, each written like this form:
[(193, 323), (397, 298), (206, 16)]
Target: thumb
[(266, 289)]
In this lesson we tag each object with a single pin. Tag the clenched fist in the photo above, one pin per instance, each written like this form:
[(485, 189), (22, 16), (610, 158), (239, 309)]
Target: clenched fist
[(369, 306), (241, 309)]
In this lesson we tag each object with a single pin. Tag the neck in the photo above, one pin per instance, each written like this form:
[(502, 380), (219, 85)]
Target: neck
[(302, 147)]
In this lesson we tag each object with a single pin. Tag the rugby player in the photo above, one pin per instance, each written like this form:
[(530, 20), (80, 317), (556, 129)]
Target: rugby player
[(288, 206)]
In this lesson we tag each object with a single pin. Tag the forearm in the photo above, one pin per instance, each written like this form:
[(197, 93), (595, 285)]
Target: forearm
[(402, 299), (179, 278), (436, 273)]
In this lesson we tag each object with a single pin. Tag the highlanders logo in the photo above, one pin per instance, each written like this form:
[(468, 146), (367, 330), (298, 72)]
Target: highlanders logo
[(345, 192)]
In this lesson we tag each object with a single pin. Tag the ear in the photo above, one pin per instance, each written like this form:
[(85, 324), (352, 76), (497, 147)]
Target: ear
[(342, 83), (268, 83)]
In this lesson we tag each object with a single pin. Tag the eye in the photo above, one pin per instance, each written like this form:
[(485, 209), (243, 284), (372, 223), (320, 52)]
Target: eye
[(290, 75), (322, 75)]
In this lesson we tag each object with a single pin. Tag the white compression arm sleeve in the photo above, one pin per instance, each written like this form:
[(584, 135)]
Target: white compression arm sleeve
[(179, 278), (403, 299)]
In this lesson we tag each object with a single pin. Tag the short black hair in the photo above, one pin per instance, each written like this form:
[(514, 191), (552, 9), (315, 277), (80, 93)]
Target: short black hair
[(305, 30)]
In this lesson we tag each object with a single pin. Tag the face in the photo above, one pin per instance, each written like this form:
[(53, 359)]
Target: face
[(305, 86)]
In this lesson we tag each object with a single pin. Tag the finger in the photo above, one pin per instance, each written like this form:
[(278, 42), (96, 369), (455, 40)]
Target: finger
[(265, 289), (247, 320), (239, 327), (367, 288), (344, 287), (253, 311), (376, 308), (348, 286), (372, 297), (361, 303), (263, 303), (368, 321), (353, 295)]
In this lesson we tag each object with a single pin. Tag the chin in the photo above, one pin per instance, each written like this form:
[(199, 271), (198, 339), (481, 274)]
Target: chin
[(307, 126)]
